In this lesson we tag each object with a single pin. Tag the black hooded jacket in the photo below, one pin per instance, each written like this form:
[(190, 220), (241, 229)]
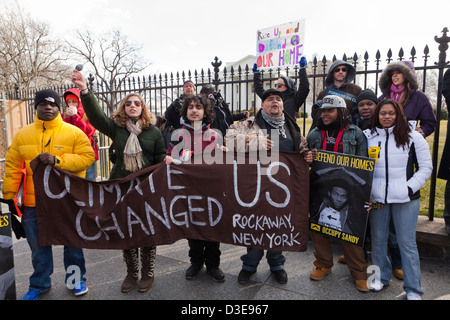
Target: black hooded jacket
[(293, 99)]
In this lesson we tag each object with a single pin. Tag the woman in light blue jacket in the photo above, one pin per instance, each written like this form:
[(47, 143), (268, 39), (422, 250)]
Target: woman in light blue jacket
[(402, 169)]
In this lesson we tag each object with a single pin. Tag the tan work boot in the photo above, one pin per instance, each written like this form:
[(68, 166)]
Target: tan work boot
[(361, 285), (319, 272), (398, 273)]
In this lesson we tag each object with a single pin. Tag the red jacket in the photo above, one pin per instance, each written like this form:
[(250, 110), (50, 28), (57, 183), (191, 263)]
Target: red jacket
[(80, 120), (189, 138)]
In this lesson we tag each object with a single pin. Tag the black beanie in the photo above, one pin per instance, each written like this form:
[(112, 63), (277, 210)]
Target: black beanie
[(367, 95), (47, 95)]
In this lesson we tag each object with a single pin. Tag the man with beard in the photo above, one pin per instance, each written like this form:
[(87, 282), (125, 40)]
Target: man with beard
[(271, 129), (338, 82)]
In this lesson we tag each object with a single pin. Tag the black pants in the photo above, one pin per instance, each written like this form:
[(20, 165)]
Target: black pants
[(447, 204), (207, 252)]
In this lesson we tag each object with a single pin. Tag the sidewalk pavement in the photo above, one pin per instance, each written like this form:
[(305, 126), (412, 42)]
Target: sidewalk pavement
[(106, 271)]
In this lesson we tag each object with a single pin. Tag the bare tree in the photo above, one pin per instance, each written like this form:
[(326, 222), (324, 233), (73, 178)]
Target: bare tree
[(29, 57), (111, 57)]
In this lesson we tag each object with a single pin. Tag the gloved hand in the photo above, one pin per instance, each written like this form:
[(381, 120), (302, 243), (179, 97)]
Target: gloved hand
[(303, 62), (71, 111), (255, 68)]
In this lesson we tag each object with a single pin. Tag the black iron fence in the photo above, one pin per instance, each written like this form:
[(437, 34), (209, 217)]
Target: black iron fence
[(236, 86)]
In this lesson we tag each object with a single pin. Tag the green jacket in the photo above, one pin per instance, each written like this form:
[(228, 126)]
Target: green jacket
[(151, 140), (354, 141)]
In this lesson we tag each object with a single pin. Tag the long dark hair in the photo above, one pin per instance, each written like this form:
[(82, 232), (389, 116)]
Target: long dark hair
[(208, 116), (343, 119), (401, 127)]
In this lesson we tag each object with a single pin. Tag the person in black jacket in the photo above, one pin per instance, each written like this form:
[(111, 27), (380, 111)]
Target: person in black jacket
[(444, 168), (223, 117), (293, 98), (172, 114)]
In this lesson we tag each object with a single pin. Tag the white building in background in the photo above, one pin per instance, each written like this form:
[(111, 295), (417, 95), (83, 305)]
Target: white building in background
[(236, 92), (243, 90)]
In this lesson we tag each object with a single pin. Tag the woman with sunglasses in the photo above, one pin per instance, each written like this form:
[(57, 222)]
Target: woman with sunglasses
[(138, 144), (403, 167), (293, 98)]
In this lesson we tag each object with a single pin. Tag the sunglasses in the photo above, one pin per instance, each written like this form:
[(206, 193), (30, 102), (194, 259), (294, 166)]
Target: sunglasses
[(339, 69), (279, 85), (129, 103)]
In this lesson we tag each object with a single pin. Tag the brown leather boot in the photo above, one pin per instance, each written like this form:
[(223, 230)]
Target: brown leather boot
[(361, 285), (148, 257), (131, 259), (319, 272)]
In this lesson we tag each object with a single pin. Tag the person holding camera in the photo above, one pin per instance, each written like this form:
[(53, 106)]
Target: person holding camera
[(223, 117)]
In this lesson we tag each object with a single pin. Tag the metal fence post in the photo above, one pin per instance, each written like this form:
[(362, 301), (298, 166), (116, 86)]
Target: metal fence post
[(443, 46), (216, 64)]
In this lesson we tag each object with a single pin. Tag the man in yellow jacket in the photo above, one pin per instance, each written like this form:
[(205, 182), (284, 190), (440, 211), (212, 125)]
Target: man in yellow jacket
[(64, 146)]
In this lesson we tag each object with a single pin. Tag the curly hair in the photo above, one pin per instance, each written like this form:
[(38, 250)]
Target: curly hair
[(401, 126), (146, 120), (209, 114)]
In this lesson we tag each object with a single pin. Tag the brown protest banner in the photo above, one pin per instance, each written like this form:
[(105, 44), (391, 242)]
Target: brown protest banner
[(247, 203)]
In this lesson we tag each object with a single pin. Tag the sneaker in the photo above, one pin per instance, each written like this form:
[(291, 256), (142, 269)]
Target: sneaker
[(192, 271), (80, 288), (376, 285), (31, 295), (413, 296), (280, 276), (244, 276), (216, 274)]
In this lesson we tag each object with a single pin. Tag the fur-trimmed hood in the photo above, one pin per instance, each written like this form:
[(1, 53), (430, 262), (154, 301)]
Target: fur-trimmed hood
[(406, 68)]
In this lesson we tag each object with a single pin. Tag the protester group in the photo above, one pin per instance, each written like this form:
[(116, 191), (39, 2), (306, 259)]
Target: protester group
[(346, 119)]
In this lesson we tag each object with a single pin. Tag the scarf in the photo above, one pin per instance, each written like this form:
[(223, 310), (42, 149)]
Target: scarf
[(277, 123), (132, 153), (396, 93)]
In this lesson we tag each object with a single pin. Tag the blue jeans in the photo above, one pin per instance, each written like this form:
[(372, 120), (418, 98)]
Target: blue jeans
[(251, 259), (42, 257), (91, 172), (404, 216)]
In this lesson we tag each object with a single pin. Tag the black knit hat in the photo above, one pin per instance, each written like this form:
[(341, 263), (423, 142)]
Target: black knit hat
[(47, 95), (367, 95)]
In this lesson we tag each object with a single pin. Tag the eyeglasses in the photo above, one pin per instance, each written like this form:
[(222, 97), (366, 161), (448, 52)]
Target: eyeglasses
[(339, 69), (129, 103), (279, 85)]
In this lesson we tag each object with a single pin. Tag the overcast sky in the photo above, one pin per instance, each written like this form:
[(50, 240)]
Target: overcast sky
[(185, 35)]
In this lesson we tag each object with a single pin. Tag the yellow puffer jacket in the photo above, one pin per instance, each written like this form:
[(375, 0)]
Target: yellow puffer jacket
[(68, 144)]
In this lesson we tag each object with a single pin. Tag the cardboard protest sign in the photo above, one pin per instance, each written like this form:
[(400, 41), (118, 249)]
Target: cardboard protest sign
[(251, 204), (340, 187), (281, 45), (7, 276)]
